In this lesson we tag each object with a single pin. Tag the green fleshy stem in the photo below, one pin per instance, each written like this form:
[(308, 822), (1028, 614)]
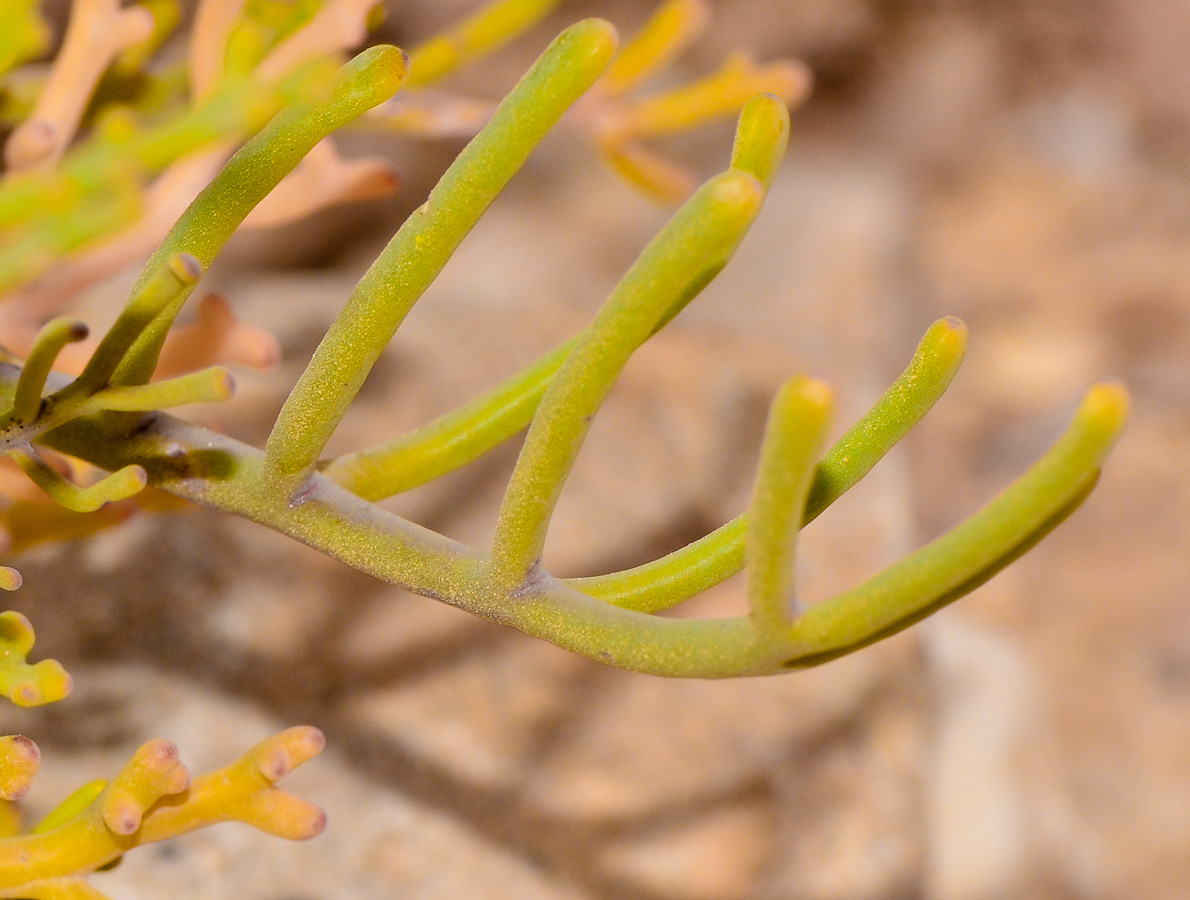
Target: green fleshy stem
[(700, 237), (460, 436), (762, 134), (205, 386), (674, 578), (424, 244), (450, 441), (168, 284), (119, 485), (793, 437), (209, 222), (54, 335), (220, 472), (968, 555)]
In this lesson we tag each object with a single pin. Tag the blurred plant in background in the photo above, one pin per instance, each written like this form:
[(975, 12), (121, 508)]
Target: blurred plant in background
[(160, 112)]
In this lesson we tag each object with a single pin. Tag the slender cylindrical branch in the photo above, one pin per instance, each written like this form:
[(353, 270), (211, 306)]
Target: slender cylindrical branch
[(390, 548), (117, 486), (719, 94), (762, 134), (669, 31), (423, 245), (697, 240), (914, 393), (170, 283), (370, 78), (55, 335), (208, 386), (450, 441), (966, 556), (761, 137), (473, 37), (793, 438), (668, 581)]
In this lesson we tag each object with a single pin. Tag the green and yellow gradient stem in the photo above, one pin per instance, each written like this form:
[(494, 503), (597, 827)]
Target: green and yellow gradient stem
[(796, 426), (691, 249), (54, 335), (450, 441), (424, 244), (677, 577), (700, 237), (225, 474), (460, 436), (367, 80)]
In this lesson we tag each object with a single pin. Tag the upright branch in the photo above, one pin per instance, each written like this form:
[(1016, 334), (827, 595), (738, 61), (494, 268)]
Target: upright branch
[(111, 416), (672, 269), (797, 422), (251, 174), (666, 582), (458, 437), (422, 246), (57, 333), (965, 557)]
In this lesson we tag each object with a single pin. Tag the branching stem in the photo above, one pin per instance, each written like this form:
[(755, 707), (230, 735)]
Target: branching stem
[(424, 244), (223, 473)]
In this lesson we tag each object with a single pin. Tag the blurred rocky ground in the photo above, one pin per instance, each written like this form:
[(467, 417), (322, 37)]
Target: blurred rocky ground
[(1019, 164)]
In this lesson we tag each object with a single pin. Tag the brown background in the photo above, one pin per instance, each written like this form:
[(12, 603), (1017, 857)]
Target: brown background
[(1019, 164)]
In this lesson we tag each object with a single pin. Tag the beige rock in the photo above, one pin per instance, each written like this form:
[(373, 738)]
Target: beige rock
[(718, 857)]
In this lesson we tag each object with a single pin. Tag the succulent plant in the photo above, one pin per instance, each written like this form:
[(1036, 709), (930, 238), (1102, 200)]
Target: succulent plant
[(265, 81)]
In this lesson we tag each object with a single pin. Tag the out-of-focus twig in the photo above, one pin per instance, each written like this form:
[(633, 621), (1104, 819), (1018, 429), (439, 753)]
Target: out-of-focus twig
[(97, 32), (324, 179), (213, 22)]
